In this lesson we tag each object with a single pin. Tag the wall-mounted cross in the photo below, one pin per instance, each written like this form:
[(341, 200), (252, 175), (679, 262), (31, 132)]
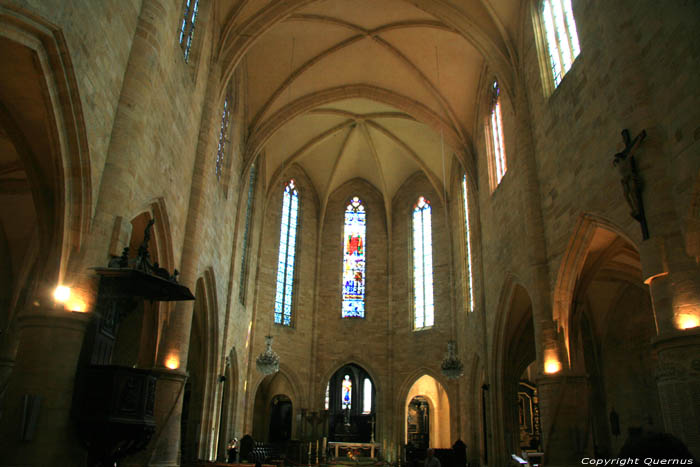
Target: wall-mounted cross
[(629, 177)]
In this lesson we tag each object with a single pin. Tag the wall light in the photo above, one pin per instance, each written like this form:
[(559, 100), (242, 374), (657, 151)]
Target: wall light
[(61, 294), (173, 362), (552, 366), (77, 305), (687, 321)]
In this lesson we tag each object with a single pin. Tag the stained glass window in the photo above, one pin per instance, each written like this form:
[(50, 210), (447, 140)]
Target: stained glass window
[(354, 260), (367, 396), (223, 138), (468, 242), (246, 233), (346, 392), (287, 253), (328, 395), (499, 151), (187, 26), (561, 35), (423, 307)]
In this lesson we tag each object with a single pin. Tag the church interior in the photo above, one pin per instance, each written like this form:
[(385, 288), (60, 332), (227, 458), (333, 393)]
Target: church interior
[(302, 232)]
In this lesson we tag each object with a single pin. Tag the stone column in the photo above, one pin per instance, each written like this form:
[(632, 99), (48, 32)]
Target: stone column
[(36, 430), (563, 404), (131, 147), (674, 281), (164, 448)]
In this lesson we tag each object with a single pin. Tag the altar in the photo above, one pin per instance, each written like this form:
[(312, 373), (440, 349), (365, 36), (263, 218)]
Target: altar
[(338, 445)]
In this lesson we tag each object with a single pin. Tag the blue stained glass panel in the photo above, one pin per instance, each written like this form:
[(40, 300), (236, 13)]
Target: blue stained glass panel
[(285, 260), (354, 255)]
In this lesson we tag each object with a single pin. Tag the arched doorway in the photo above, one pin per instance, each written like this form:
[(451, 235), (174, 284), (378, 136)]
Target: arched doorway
[(350, 400), (275, 397), (430, 396), (280, 430)]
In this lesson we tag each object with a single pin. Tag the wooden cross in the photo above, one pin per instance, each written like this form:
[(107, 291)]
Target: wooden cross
[(629, 177)]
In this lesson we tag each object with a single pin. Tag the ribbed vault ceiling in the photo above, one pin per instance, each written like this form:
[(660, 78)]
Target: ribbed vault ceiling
[(376, 89)]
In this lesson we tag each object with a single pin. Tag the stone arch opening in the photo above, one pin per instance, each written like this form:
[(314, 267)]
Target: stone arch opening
[(228, 415), (429, 390), (351, 404), (272, 386), (611, 325), (516, 371), (45, 193)]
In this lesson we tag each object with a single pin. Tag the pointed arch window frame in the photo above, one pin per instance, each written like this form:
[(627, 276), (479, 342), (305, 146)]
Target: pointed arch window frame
[(286, 259), (423, 287), (358, 213)]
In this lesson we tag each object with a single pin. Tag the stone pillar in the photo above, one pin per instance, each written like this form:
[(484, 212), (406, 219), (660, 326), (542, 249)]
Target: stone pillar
[(563, 403), (164, 448), (44, 374), (128, 159), (674, 282)]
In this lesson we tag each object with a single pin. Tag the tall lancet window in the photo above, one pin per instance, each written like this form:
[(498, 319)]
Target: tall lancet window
[(246, 233), (354, 260), (189, 18), (423, 307), (561, 35), (497, 145), (346, 393), (223, 137), (287, 254), (468, 245), (367, 397)]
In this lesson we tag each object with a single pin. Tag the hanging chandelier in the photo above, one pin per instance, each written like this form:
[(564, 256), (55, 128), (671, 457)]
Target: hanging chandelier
[(268, 362), (452, 366)]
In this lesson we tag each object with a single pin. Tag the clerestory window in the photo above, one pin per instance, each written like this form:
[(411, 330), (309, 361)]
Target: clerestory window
[(498, 150), (223, 137), (287, 254), (468, 246), (189, 18), (561, 36), (423, 306)]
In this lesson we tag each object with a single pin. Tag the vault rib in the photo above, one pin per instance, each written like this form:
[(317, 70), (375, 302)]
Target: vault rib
[(362, 34), (434, 180), (375, 155), (334, 170), (310, 144)]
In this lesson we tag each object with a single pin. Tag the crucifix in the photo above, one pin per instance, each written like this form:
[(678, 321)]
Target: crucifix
[(629, 177)]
